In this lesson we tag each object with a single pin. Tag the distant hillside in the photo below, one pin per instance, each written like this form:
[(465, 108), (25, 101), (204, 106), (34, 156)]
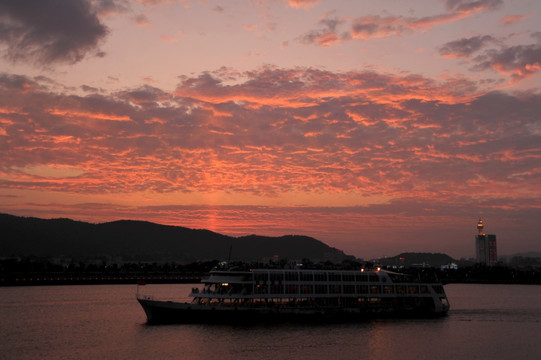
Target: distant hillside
[(529, 254), (146, 241), (413, 259)]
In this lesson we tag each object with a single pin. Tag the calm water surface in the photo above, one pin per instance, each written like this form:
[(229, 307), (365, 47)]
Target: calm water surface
[(106, 322)]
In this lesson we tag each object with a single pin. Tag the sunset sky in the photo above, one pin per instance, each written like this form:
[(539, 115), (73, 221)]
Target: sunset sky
[(377, 127)]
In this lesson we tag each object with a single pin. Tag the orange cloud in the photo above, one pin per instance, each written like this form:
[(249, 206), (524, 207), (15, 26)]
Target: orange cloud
[(82, 114), (303, 3), (168, 38), (511, 19), (518, 62)]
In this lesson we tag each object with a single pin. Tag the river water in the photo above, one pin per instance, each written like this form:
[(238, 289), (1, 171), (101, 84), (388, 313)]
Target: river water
[(106, 322)]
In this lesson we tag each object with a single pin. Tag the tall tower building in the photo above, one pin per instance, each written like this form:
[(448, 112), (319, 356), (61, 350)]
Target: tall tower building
[(485, 246)]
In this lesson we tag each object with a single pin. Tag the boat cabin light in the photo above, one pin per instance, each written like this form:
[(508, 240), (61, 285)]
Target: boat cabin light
[(378, 268), (225, 284)]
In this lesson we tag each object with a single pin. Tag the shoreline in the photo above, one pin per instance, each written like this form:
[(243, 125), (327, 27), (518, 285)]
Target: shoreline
[(190, 279), (98, 280)]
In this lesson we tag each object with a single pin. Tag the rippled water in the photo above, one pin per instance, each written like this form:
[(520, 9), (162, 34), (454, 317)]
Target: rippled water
[(106, 322)]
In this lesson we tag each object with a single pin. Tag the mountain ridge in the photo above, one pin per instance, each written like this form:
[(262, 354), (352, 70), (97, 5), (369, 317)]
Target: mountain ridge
[(136, 240)]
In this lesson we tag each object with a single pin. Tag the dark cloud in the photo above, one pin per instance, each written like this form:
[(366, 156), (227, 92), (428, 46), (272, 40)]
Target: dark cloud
[(326, 35), (471, 5), (53, 31), (465, 47), (518, 62), (148, 95), (537, 36), (375, 26), (90, 89), (11, 82), (108, 7), (141, 20)]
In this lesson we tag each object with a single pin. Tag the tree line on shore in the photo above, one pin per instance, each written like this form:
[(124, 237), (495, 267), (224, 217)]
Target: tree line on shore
[(29, 271)]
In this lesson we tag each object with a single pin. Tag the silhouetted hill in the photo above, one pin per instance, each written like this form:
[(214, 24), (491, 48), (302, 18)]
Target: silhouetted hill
[(415, 259), (146, 241), (529, 254)]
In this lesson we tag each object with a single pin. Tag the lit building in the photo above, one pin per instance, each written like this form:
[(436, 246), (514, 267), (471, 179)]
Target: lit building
[(485, 246)]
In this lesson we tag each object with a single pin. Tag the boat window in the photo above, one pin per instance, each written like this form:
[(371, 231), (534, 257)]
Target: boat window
[(362, 289), (413, 289), (400, 289), (260, 277), (261, 289), (375, 289), (335, 289), (223, 288), (388, 289), (424, 289), (292, 289), (276, 289), (276, 276), (246, 290), (292, 276), (334, 277), (320, 277), (348, 277), (307, 276), (307, 289), (321, 289), (399, 277), (349, 289)]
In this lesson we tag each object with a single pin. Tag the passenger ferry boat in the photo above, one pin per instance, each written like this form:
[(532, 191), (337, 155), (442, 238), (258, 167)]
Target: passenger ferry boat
[(237, 295)]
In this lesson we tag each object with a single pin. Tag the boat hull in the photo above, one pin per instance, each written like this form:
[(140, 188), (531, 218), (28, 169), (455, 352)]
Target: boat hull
[(164, 312)]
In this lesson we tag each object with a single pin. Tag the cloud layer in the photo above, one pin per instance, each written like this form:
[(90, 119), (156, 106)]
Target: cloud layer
[(277, 130)]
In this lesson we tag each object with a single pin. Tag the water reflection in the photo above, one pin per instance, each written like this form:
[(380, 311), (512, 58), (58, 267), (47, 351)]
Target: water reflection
[(89, 322)]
